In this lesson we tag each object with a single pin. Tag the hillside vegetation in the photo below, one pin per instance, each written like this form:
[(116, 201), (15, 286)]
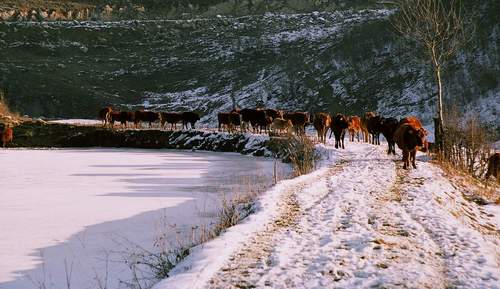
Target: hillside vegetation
[(345, 61)]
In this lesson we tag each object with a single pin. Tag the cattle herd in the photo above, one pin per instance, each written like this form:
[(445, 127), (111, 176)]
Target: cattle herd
[(108, 116), (407, 133)]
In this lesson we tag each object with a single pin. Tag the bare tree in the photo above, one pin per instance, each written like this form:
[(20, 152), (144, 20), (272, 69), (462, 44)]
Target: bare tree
[(438, 27)]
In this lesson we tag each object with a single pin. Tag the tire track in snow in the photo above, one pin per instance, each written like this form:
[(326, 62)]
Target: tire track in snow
[(356, 237), (248, 265), (470, 253), (367, 223)]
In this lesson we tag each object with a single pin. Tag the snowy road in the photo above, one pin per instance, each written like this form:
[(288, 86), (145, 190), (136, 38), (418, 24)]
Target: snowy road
[(366, 223)]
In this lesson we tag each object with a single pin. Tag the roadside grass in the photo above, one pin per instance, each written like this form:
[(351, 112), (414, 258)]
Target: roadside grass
[(467, 146), (473, 188), (301, 153)]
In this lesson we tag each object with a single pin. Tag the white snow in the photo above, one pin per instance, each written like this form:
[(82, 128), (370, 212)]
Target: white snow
[(79, 207), (365, 223), (77, 121), (206, 259)]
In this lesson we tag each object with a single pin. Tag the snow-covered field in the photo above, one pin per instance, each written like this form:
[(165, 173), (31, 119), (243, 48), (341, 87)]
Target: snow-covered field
[(362, 222), (78, 213)]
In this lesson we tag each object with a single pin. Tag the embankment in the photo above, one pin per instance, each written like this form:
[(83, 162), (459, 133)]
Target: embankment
[(54, 135)]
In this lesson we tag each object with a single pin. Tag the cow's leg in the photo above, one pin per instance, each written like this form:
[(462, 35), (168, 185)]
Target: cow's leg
[(413, 155), (405, 159)]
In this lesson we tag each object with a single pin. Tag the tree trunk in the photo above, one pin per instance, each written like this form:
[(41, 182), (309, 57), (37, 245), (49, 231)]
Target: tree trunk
[(438, 121)]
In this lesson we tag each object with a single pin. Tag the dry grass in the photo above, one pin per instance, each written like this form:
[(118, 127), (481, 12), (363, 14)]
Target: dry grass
[(471, 186), (6, 115), (149, 267), (299, 149)]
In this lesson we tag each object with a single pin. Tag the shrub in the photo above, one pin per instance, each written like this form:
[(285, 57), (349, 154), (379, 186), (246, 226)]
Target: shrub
[(467, 143), (300, 151)]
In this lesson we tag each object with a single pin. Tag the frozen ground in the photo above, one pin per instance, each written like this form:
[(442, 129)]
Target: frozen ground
[(77, 121), (359, 222), (78, 213)]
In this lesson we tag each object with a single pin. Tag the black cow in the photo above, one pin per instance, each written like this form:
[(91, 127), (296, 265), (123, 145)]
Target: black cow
[(190, 117), (388, 127), (338, 127), (170, 117)]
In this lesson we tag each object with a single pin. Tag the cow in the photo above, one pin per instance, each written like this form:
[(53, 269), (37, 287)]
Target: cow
[(170, 117), (354, 126), (417, 124), (7, 135), (280, 125), (322, 122), (338, 127), (274, 113), (409, 138), (145, 116), (113, 116), (126, 116), (373, 126), (493, 167), (414, 121), (263, 123), (104, 115), (299, 120), (364, 126), (255, 117), (189, 117), (224, 119), (235, 120), (388, 127)]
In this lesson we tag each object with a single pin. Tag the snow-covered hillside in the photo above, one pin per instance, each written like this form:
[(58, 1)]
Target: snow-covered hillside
[(347, 61), (359, 222)]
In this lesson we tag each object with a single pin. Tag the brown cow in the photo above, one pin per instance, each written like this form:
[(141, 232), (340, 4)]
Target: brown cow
[(364, 125), (145, 116), (104, 115), (414, 121), (274, 113), (354, 126), (299, 120), (417, 124), (338, 127), (322, 122), (112, 117), (7, 136), (189, 117), (126, 116), (281, 125), (226, 120), (170, 117), (408, 138), (493, 167)]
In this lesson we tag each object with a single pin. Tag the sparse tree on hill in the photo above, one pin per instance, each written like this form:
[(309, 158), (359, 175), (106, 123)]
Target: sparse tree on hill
[(438, 27)]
